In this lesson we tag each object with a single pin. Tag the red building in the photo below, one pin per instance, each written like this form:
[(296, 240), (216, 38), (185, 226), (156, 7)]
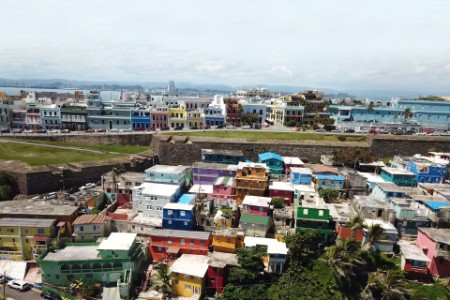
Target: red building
[(282, 189), (234, 111), (159, 118), (220, 264), (347, 233), (413, 260), (173, 243), (255, 205), (292, 162)]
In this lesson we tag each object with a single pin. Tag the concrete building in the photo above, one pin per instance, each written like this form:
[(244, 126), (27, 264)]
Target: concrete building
[(232, 157), (189, 274), (227, 240), (276, 252), (50, 116), (89, 228), (150, 198), (435, 243), (251, 179), (206, 173), (255, 205), (254, 225), (73, 117)]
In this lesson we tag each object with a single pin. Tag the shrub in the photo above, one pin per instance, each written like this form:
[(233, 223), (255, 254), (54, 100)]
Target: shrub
[(342, 138)]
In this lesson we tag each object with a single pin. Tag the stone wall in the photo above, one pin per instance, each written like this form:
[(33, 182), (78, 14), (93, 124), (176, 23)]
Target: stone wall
[(409, 145)]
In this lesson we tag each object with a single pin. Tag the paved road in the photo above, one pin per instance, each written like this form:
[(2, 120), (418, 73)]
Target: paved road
[(28, 295)]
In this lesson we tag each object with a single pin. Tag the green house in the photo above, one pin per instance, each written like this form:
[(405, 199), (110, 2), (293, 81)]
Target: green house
[(313, 217), (116, 260)]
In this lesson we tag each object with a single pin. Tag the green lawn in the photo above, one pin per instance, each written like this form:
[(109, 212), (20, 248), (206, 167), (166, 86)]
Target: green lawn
[(36, 155), (267, 135), (433, 291)]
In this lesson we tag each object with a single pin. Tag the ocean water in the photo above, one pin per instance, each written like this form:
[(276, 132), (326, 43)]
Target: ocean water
[(12, 91)]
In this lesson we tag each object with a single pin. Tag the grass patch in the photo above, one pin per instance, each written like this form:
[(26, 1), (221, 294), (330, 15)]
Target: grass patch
[(428, 291), (36, 155), (256, 135)]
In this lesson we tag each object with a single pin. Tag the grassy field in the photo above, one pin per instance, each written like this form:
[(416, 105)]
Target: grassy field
[(36, 155), (267, 135)]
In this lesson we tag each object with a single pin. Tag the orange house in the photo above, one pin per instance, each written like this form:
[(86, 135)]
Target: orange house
[(347, 233), (251, 179), (227, 240)]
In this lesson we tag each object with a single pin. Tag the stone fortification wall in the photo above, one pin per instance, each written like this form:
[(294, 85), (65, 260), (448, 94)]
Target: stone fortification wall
[(409, 145)]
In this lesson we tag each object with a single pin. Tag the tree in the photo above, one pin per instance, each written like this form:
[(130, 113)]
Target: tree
[(388, 285), (7, 186), (370, 107), (161, 281), (356, 223), (374, 234), (278, 202), (407, 114), (116, 171), (329, 195), (351, 156), (304, 247)]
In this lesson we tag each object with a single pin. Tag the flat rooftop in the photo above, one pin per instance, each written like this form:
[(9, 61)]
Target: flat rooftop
[(281, 186), (395, 171), (27, 222), (387, 226), (411, 251), (257, 201), (273, 245), (118, 241), (370, 201), (201, 189), (242, 165), (301, 170), (178, 206), (214, 166), (231, 232), (238, 153), (133, 176), (35, 208), (292, 160), (228, 181), (71, 252), (342, 213), (167, 169), (159, 189), (222, 259), (192, 265), (202, 235), (392, 187), (440, 235)]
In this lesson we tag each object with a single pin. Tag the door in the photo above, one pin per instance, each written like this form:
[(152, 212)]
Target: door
[(196, 290), (110, 124)]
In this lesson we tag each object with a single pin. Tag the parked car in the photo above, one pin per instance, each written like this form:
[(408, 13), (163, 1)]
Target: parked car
[(114, 130), (150, 129), (421, 133), (409, 132), (126, 130), (372, 131), (231, 127), (50, 296), (246, 127), (101, 130), (178, 128), (87, 186), (89, 131), (17, 130), (53, 131), (435, 133), (350, 131), (5, 130), (383, 131), (445, 133), (320, 130), (219, 127), (65, 131), (19, 285), (41, 130), (193, 128), (165, 128), (140, 129), (28, 131)]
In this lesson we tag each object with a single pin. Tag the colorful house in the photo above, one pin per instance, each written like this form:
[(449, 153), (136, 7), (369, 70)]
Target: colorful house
[(329, 182), (388, 190), (26, 238), (282, 189), (313, 215), (150, 198), (255, 205), (251, 179), (301, 176), (273, 161), (189, 274), (224, 192), (438, 211), (220, 264), (428, 172), (292, 162), (342, 214), (413, 260), (207, 173), (177, 115), (435, 243), (89, 228), (227, 239), (140, 119), (304, 192), (399, 176), (220, 156), (159, 117), (173, 243), (195, 118), (115, 261), (409, 215), (276, 252), (187, 199), (178, 216), (179, 175), (254, 225), (121, 190)]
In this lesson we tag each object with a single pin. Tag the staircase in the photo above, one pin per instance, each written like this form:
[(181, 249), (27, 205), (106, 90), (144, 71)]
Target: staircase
[(146, 281)]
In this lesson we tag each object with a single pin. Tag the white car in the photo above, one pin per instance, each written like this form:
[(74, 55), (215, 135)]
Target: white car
[(53, 131), (28, 131), (19, 285), (246, 127), (421, 133), (230, 127), (114, 130), (87, 186)]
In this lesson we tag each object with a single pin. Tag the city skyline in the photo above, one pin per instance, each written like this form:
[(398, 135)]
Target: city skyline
[(332, 44)]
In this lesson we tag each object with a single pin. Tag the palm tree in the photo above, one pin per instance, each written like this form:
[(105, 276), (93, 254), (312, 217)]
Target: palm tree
[(162, 282), (374, 234), (407, 114), (116, 171), (370, 107), (356, 223), (389, 285)]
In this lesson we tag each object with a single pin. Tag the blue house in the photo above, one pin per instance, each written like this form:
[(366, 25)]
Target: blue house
[(50, 116), (427, 172), (140, 119), (214, 116), (301, 176), (388, 190), (399, 176), (178, 216), (329, 181), (273, 161), (220, 156), (187, 199)]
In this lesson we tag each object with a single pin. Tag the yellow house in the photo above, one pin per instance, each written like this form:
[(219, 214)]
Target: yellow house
[(177, 115), (195, 118), (227, 240), (25, 238), (188, 275)]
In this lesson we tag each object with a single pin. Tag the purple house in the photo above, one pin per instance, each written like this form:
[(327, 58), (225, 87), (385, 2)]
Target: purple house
[(207, 173)]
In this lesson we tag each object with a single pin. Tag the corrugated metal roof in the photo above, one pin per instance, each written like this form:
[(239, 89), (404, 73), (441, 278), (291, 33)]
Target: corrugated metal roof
[(27, 222), (254, 219), (269, 155), (181, 233), (90, 219)]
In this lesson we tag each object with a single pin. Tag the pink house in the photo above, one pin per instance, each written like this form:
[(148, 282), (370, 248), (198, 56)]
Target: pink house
[(255, 205), (435, 243), (282, 189), (223, 188)]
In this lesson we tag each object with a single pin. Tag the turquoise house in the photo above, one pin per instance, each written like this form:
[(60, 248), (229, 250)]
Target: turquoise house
[(273, 161), (399, 176)]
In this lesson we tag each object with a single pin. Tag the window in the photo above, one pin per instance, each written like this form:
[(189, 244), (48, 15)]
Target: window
[(187, 287), (169, 222), (149, 207), (305, 211), (183, 242), (159, 208), (320, 213), (185, 223), (202, 243), (41, 231), (169, 240), (191, 242), (81, 228), (170, 212), (94, 227), (182, 213)]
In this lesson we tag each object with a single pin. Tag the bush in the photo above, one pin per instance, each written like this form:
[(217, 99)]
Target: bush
[(342, 138), (329, 195), (277, 202)]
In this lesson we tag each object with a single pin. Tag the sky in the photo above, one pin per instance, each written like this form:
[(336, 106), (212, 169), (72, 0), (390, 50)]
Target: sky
[(340, 44)]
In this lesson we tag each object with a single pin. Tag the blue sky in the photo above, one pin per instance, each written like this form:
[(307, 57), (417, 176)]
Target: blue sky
[(383, 44)]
